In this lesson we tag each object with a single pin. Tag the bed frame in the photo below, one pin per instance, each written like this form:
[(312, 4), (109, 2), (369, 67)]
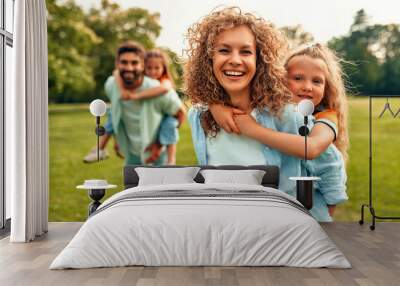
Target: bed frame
[(270, 179)]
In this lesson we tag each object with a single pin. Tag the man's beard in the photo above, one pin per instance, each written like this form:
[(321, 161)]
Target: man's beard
[(130, 79)]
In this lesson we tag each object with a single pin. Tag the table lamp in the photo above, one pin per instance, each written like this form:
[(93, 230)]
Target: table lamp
[(304, 185)]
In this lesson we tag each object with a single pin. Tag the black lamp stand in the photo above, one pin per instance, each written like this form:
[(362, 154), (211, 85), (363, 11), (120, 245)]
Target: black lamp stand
[(100, 131), (304, 188)]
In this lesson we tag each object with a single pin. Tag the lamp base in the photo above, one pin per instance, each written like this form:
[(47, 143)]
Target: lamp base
[(100, 130), (96, 195), (305, 190), (305, 193)]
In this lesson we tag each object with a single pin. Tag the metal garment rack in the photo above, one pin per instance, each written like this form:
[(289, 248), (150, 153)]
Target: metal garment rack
[(370, 205)]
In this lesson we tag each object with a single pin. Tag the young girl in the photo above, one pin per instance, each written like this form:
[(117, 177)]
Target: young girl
[(312, 73), (156, 66), (234, 60)]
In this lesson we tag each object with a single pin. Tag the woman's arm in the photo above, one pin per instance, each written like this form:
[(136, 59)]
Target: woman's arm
[(317, 142)]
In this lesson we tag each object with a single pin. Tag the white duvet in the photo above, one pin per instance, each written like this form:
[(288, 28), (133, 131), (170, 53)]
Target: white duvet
[(184, 230)]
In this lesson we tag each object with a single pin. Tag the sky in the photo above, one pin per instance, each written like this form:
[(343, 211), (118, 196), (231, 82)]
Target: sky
[(324, 19)]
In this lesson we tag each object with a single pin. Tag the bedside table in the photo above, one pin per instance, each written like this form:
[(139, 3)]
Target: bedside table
[(96, 191)]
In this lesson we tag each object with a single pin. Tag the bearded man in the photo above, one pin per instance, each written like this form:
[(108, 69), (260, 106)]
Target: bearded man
[(136, 122)]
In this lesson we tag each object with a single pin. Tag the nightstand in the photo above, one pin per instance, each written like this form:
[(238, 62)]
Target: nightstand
[(96, 191)]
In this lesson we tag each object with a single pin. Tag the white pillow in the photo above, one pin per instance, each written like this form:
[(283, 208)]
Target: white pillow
[(164, 176), (248, 177)]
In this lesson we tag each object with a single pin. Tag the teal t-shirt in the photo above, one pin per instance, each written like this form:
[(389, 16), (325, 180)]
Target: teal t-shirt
[(150, 113), (130, 117), (242, 150)]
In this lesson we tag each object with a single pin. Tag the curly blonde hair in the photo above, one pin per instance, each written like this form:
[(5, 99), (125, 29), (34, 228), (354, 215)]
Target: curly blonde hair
[(335, 91), (267, 88)]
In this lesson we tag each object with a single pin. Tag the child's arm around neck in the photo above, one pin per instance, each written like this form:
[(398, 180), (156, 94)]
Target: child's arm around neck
[(318, 141), (320, 138), (153, 92)]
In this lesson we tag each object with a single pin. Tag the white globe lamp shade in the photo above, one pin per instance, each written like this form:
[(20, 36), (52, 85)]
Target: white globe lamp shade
[(98, 107), (305, 107)]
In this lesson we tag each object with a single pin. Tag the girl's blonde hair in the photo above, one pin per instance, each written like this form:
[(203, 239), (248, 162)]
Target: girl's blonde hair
[(335, 91), (158, 54), (267, 88)]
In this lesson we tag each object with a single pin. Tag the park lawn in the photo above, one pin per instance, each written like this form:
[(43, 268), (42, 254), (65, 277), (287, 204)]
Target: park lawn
[(71, 131)]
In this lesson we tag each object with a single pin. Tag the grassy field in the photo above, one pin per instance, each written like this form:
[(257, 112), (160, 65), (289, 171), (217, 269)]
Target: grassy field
[(72, 135)]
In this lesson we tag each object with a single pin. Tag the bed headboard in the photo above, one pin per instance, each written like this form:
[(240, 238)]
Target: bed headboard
[(270, 179)]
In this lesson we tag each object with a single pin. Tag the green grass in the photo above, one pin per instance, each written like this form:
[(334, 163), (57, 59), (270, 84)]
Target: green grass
[(386, 160), (72, 136)]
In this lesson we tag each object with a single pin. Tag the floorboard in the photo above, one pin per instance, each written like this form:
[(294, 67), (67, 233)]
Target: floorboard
[(374, 255)]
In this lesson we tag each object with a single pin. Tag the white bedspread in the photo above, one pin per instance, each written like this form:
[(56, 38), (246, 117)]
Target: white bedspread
[(177, 231)]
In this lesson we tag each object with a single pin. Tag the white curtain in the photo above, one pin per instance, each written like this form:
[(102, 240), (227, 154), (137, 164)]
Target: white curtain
[(27, 124)]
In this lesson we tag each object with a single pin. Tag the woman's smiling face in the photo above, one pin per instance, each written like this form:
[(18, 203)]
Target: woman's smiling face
[(234, 60)]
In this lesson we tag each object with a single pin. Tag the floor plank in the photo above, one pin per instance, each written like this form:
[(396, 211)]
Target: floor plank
[(374, 255)]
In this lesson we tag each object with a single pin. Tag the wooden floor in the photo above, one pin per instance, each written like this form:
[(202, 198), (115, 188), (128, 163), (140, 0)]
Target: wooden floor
[(374, 255)]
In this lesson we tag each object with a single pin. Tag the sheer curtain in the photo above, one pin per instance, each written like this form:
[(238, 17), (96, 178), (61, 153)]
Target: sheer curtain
[(27, 124)]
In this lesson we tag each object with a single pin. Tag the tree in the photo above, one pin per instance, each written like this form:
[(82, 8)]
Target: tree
[(359, 47), (390, 43), (175, 68), (297, 36), (70, 42), (114, 25), (375, 52), (82, 46)]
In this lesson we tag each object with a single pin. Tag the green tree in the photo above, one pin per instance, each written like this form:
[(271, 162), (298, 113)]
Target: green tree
[(114, 25), (297, 36), (390, 48), (361, 48), (175, 68), (70, 42), (82, 46)]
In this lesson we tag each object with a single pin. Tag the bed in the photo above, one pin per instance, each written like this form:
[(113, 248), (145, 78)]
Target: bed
[(201, 224)]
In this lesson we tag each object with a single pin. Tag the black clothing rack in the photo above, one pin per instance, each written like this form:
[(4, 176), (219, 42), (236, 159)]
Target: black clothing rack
[(370, 204)]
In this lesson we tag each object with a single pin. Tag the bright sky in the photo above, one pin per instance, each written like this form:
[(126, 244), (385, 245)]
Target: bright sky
[(324, 19)]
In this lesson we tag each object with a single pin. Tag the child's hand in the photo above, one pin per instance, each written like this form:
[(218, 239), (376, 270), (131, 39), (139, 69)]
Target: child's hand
[(246, 124), (223, 115), (331, 209), (180, 116), (117, 151), (125, 95), (155, 152), (134, 96)]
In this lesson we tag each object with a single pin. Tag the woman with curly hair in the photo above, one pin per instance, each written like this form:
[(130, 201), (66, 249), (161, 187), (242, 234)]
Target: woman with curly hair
[(235, 60)]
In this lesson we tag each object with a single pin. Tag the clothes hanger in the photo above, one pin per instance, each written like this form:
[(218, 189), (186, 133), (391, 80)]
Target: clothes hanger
[(397, 113), (387, 107)]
